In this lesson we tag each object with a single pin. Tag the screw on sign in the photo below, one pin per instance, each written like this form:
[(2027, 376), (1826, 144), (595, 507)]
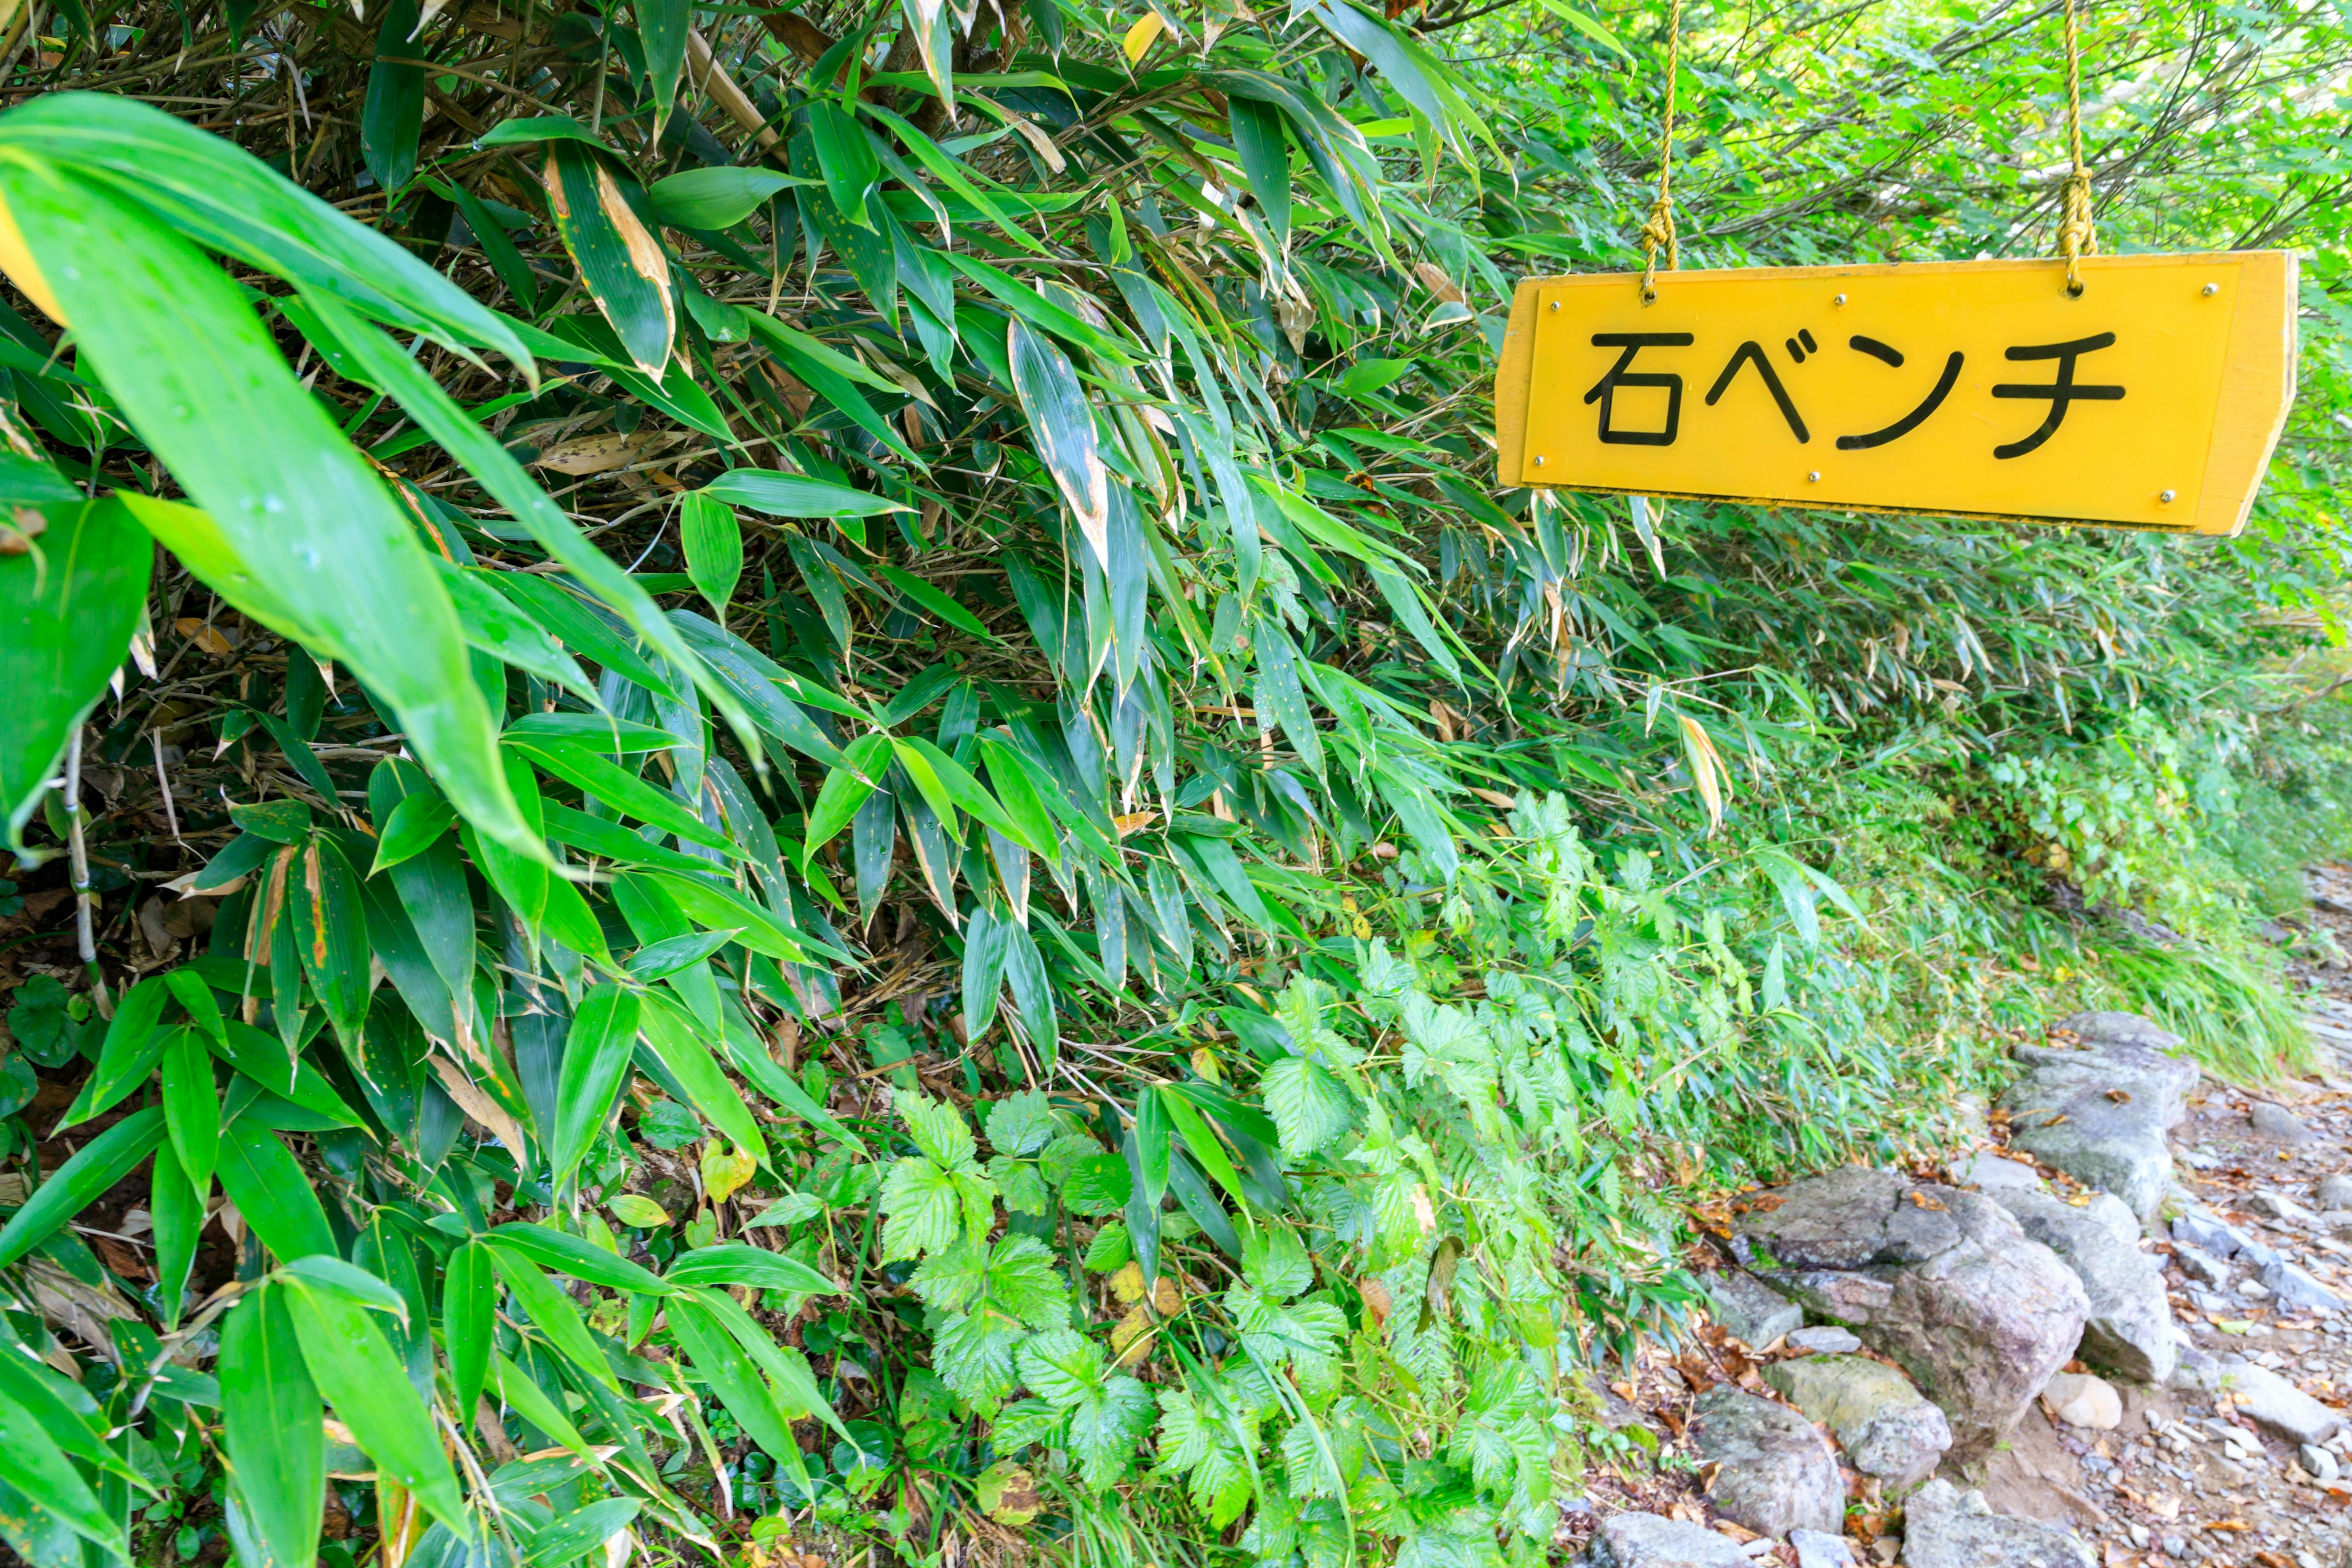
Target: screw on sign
[(2150, 398)]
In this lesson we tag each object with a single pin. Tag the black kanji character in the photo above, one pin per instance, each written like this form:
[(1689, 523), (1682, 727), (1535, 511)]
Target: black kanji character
[(1604, 390), (2061, 389), (1752, 353), (1911, 421)]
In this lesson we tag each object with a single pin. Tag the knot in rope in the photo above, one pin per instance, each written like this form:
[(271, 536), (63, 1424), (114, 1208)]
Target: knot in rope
[(1658, 232)]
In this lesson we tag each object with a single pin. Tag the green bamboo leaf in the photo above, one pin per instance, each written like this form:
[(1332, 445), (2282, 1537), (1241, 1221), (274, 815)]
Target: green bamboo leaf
[(713, 538), (1033, 992), (66, 618), (496, 627), (578, 1536), (330, 933), (936, 600), (135, 1043), (720, 1361), (596, 1062), (552, 1313), (967, 792), (735, 1263), (570, 1254), (270, 1413), (517, 1389), (270, 1191), (1266, 161), (534, 130), (416, 823), (175, 1206), (794, 495), (497, 245), (662, 25), (1018, 795), (395, 113), (608, 782), (192, 1105), (863, 242), (677, 1042), (1063, 424), (863, 761), (620, 260), (469, 1307), (935, 158), (719, 908), (787, 1370), (572, 623), (31, 1461), (844, 155), (95, 1166), (217, 194), (716, 199), (983, 969), (355, 1367), (298, 532)]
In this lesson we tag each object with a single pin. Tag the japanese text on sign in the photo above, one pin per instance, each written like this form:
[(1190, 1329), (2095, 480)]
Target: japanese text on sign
[(1982, 388)]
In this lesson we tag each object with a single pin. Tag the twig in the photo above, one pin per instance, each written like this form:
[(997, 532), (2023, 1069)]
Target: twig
[(164, 782), (85, 939)]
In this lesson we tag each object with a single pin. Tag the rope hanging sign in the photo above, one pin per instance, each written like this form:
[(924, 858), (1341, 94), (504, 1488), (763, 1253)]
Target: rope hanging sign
[(2126, 390)]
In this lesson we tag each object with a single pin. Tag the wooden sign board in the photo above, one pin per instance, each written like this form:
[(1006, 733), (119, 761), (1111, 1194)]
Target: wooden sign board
[(1969, 388)]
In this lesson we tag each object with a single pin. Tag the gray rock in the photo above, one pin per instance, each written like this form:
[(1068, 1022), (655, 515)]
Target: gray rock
[(2129, 1329), (2205, 1229), (1946, 1528), (1776, 1473), (2196, 1372), (2278, 1406), (2297, 1291), (1944, 1283), (1816, 1550), (1824, 1339), (2200, 1264), (2277, 1205), (2116, 1215), (2336, 1191), (2100, 1115), (1646, 1540), (1988, 1171), (1885, 1427), (2276, 1121), (1749, 1310)]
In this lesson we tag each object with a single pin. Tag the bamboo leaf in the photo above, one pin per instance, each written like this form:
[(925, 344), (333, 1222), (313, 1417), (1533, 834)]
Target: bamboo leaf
[(716, 199), (1064, 425), (713, 538), (354, 1366), (95, 1166), (296, 530), (596, 1062), (65, 619), (395, 113), (620, 260)]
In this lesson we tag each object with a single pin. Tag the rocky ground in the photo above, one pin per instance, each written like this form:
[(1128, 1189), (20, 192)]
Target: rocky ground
[(2115, 1329)]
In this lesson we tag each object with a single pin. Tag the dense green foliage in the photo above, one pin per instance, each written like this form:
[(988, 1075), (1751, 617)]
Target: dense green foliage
[(837, 812)]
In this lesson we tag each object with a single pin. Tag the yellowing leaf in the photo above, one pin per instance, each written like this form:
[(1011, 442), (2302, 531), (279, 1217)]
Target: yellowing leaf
[(724, 1170), (1144, 34), (636, 1209)]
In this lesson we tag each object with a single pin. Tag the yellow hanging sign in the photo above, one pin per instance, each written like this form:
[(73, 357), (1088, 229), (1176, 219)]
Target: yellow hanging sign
[(1974, 389)]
